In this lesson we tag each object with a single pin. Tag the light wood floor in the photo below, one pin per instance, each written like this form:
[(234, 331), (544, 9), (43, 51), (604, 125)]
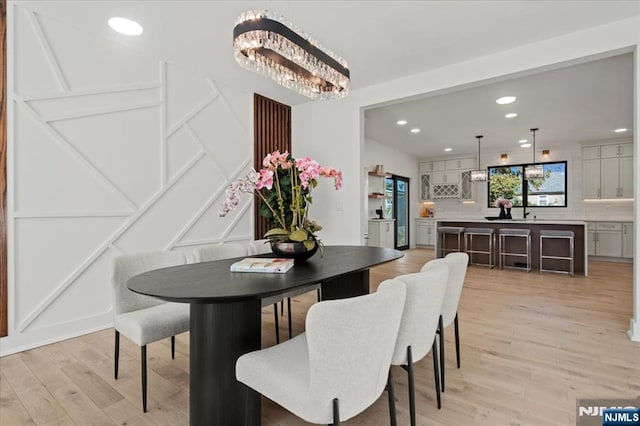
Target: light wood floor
[(531, 345)]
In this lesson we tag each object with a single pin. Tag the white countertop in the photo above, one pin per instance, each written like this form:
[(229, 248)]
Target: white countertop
[(516, 221)]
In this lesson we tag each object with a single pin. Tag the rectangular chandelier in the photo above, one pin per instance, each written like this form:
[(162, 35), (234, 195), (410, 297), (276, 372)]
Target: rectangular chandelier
[(478, 176), (265, 44), (533, 171)]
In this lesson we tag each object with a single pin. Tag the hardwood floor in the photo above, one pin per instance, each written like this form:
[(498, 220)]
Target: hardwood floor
[(531, 345)]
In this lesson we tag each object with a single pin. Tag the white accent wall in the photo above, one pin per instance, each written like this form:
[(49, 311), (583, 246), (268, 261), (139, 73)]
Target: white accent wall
[(337, 126), (110, 152)]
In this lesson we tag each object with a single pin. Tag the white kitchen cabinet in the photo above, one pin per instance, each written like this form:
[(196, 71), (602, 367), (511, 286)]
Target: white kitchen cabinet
[(604, 239), (425, 232), (426, 190), (451, 176), (381, 233), (591, 187), (626, 177), (607, 171), (466, 186), (627, 240), (447, 179)]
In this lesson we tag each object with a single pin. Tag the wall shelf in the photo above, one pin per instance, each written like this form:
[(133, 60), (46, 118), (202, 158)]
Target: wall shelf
[(382, 175), (378, 196)]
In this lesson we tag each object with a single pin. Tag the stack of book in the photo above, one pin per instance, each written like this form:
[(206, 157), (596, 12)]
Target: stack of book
[(261, 264)]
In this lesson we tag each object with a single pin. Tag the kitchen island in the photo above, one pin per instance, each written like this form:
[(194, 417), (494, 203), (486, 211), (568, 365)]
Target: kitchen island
[(579, 229)]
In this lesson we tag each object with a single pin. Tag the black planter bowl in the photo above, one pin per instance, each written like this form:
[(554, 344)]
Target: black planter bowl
[(293, 250)]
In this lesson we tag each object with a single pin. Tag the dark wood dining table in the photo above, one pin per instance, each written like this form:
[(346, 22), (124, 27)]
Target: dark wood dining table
[(225, 320)]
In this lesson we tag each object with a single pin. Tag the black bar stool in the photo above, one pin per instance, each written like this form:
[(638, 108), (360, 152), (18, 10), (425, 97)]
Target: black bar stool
[(562, 235)]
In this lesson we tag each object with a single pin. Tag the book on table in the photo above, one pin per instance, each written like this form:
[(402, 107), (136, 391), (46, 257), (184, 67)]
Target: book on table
[(262, 264)]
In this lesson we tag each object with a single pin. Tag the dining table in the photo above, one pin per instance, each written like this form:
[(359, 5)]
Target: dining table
[(225, 318)]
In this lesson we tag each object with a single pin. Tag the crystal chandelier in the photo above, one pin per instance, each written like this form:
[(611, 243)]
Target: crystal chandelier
[(479, 175), (534, 171), (263, 42)]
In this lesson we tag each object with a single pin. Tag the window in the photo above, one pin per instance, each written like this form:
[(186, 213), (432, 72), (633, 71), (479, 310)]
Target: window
[(548, 191)]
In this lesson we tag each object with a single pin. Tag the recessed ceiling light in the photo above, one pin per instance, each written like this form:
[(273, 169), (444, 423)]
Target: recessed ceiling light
[(506, 100), (620, 130), (523, 141), (125, 26), (511, 115), (525, 145), (401, 122), (447, 150), (415, 130)]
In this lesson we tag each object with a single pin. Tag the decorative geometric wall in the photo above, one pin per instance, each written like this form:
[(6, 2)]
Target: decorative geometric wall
[(112, 152)]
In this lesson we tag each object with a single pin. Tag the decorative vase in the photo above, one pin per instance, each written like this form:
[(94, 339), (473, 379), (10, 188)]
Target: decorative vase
[(503, 214), (508, 213), (293, 250)]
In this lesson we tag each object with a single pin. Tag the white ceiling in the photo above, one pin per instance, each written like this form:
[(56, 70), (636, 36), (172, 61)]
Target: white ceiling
[(578, 103), (384, 40), (381, 40)]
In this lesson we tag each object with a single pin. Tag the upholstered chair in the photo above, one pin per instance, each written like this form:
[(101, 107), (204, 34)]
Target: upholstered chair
[(263, 247), (457, 263), (340, 365), (144, 319), (226, 251), (417, 335)]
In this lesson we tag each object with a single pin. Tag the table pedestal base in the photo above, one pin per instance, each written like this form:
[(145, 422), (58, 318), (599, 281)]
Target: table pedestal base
[(220, 333)]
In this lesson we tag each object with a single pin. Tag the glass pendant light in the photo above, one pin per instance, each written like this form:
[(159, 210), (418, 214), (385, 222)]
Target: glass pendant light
[(481, 174), (534, 171)]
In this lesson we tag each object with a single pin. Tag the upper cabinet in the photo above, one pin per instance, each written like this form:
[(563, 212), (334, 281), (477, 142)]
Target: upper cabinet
[(446, 179), (607, 171)]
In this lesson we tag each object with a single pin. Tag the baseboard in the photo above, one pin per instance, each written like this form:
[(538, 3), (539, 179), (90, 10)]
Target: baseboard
[(14, 343), (634, 330)]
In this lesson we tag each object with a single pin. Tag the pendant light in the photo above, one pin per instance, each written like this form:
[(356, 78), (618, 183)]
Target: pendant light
[(481, 174), (534, 171)]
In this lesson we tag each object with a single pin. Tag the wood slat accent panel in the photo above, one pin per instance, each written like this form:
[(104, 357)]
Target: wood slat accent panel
[(3, 173), (271, 131)]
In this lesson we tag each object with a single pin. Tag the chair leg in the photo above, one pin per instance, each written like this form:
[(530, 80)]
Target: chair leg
[(143, 368), (457, 332), (336, 412), (289, 314), (319, 292), (441, 333), (173, 347), (275, 316), (436, 371), (392, 400), (116, 355), (412, 391)]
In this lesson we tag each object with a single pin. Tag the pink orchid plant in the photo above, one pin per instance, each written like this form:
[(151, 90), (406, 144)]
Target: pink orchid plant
[(284, 185), (501, 202)]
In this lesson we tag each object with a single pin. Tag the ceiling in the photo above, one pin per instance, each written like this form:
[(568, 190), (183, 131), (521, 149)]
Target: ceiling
[(381, 40), (578, 103)]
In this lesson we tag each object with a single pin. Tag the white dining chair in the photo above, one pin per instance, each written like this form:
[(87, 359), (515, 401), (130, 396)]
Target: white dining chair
[(417, 335), (457, 263), (144, 319), (262, 247), (339, 366), (230, 250)]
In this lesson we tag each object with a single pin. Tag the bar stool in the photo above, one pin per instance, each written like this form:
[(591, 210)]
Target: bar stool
[(469, 233), (442, 235), (511, 233), (562, 235)]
